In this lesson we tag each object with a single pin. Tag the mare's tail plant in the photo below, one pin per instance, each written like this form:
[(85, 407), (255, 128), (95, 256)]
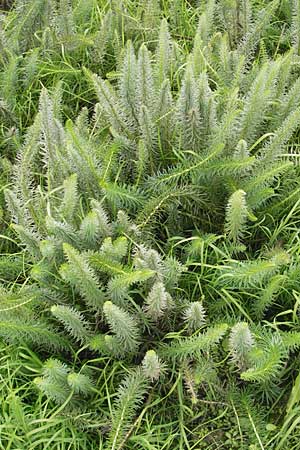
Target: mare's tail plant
[(154, 217)]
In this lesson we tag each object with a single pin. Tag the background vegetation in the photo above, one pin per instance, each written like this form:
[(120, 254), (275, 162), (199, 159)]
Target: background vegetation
[(150, 252)]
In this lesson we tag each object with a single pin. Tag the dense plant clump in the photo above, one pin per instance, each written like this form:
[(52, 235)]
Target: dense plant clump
[(149, 222)]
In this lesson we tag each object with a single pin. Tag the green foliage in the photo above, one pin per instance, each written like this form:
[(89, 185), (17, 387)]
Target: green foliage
[(192, 346), (130, 396), (241, 342), (236, 215), (123, 326), (79, 274), (14, 330), (294, 397), (72, 321), (152, 365), (157, 301), (194, 315), (149, 221)]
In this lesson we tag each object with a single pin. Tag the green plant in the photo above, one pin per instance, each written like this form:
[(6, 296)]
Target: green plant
[(150, 232)]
